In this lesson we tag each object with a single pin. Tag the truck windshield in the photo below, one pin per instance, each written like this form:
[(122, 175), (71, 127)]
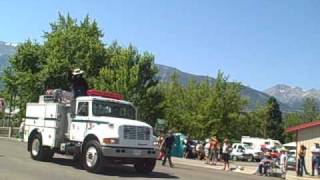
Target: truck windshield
[(112, 109)]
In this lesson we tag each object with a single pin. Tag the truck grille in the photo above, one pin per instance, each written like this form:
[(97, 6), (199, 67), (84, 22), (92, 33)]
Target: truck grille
[(136, 132)]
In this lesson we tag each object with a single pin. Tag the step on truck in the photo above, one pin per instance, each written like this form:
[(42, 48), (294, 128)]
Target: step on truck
[(97, 129)]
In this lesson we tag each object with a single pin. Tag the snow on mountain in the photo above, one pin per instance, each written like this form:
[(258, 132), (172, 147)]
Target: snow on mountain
[(292, 95)]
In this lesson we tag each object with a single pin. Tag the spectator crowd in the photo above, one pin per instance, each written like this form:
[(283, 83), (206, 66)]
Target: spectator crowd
[(212, 151)]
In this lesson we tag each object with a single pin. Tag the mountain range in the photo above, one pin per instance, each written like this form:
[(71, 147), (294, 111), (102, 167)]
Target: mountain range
[(254, 96), (290, 98), (292, 95), (6, 49)]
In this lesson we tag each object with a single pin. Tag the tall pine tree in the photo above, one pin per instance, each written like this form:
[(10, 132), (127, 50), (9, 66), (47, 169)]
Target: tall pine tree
[(274, 123)]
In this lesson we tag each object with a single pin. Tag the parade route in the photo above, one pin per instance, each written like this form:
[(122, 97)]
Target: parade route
[(16, 164)]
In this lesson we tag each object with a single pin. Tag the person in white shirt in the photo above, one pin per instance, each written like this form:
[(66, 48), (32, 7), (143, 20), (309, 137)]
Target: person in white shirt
[(21, 130), (283, 162), (226, 150), (315, 150), (206, 151)]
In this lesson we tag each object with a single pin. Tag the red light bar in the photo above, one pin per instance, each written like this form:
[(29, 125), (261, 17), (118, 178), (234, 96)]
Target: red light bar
[(106, 94)]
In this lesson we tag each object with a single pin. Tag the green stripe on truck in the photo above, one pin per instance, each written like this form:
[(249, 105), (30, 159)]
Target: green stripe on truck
[(32, 117)]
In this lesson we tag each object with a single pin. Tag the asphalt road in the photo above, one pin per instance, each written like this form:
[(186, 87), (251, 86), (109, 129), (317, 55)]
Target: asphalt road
[(16, 164)]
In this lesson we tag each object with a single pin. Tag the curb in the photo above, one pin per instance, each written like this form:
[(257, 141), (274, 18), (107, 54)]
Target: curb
[(290, 175), (218, 167), (15, 139)]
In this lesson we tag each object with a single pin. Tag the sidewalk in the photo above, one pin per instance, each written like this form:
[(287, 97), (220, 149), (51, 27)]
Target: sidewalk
[(219, 166), (291, 175), (11, 138)]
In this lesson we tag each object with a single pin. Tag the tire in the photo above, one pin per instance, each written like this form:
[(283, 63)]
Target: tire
[(251, 158), (39, 152), (145, 166), (92, 157), (234, 158), (78, 160)]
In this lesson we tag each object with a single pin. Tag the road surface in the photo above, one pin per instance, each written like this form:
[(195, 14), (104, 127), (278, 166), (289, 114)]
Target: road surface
[(16, 164)]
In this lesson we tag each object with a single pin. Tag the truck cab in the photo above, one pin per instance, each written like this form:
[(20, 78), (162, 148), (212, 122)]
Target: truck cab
[(94, 129)]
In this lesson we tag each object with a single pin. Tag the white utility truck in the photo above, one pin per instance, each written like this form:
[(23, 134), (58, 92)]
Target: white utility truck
[(97, 129)]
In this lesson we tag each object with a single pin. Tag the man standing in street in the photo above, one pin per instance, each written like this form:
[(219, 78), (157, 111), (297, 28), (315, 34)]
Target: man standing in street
[(167, 144)]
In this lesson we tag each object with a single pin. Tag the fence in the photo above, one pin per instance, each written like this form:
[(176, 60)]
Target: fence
[(9, 132), (6, 122)]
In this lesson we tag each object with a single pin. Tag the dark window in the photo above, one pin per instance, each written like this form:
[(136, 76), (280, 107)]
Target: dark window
[(112, 109), (83, 109)]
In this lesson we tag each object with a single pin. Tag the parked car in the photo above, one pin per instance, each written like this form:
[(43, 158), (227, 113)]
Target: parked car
[(245, 152), (238, 152), (292, 160)]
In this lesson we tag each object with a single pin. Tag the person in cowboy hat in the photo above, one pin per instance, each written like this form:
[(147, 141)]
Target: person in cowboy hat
[(79, 85)]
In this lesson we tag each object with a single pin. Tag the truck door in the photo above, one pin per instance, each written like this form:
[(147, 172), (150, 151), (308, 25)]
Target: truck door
[(79, 123)]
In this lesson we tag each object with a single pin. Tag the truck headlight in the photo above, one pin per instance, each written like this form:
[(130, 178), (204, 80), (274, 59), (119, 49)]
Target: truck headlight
[(110, 140)]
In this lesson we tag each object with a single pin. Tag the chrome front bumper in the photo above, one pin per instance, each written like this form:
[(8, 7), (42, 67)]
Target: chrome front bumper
[(125, 152)]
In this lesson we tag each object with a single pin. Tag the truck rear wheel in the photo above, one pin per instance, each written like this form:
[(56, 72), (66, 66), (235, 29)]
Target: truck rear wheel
[(145, 165), (39, 152), (92, 157)]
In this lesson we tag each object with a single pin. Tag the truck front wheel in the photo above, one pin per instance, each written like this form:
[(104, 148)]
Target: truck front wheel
[(39, 152), (251, 158), (92, 157), (145, 165)]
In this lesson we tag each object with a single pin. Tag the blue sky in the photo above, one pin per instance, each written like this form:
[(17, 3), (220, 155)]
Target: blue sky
[(257, 42)]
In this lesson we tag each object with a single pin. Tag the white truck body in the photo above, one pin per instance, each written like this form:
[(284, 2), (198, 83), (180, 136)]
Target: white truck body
[(64, 126), (256, 142)]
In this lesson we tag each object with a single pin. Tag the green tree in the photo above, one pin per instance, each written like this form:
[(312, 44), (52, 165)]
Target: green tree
[(134, 76), (310, 109), (68, 45), (72, 45), (225, 107), (274, 125), (21, 78), (290, 120), (201, 109), (174, 105)]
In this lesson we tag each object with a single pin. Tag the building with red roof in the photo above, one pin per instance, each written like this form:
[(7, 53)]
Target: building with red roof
[(307, 134)]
